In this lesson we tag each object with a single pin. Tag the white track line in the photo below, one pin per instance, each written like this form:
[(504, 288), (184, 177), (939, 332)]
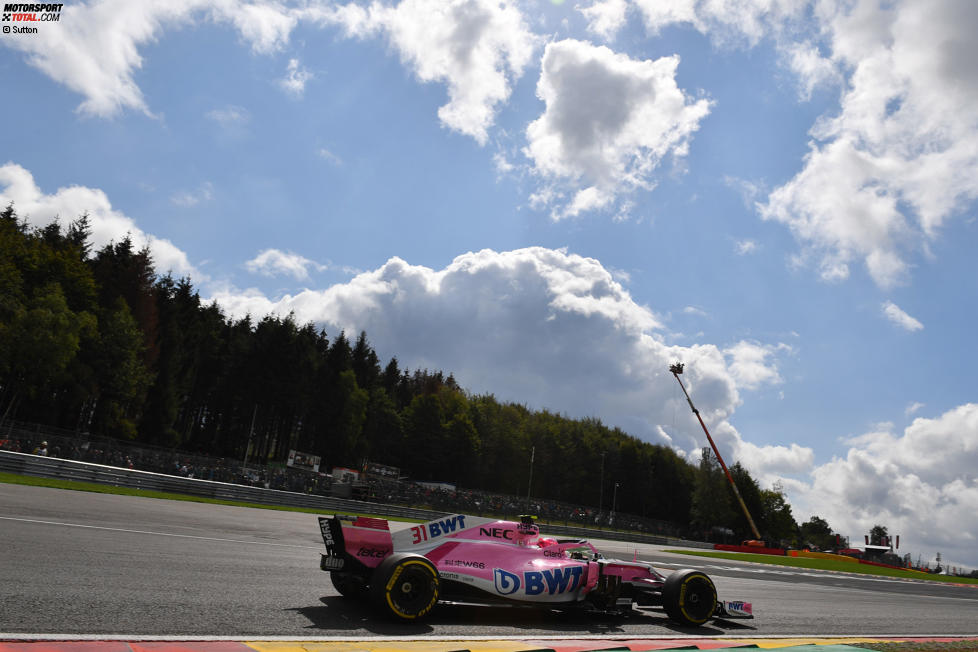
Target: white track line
[(158, 534)]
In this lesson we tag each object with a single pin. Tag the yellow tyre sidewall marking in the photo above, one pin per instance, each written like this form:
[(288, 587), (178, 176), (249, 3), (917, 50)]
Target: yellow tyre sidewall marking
[(390, 585), (682, 597)]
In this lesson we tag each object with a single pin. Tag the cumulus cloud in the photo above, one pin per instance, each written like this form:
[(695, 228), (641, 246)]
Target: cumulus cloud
[(186, 199), (751, 363), (605, 17), (545, 327), (608, 124), (744, 21), (893, 312), (913, 408), (478, 48), (295, 79), (272, 262), (17, 185), (745, 247), (901, 157), (329, 156), (95, 48), (920, 484), (230, 116)]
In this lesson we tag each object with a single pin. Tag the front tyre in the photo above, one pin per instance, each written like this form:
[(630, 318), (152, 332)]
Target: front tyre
[(689, 597), (405, 586)]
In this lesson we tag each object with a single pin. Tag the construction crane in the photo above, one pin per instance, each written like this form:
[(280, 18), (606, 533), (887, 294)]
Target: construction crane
[(676, 370)]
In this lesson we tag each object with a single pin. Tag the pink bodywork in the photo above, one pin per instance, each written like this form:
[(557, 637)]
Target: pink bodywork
[(505, 558)]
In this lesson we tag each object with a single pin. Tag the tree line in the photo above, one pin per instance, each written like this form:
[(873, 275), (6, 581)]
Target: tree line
[(97, 341)]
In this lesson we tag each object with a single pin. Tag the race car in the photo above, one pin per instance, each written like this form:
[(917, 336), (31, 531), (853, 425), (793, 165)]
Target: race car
[(471, 559)]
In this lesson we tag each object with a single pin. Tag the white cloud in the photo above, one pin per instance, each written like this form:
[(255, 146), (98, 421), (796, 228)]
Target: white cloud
[(605, 17), (107, 224), (893, 312), (187, 199), (920, 484), (295, 78), (746, 21), (901, 157), (329, 156), (478, 48), (744, 247), (813, 70), (94, 48), (609, 123), (272, 262), (230, 116), (751, 366), (554, 330), (913, 408)]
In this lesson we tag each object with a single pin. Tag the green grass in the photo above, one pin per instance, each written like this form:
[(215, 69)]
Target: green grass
[(75, 485), (825, 564)]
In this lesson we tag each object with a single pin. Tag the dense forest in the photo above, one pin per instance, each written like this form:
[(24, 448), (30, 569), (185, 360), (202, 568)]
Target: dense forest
[(97, 341)]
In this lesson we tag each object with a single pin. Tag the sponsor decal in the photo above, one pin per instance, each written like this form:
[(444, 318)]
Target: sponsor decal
[(377, 553), (738, 607), (554, 553), (436, 529), (497, 533), (464, 563), (551, 581), (327, 535)]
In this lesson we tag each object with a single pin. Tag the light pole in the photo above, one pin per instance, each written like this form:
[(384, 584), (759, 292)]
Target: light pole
[(601, 487), (614, 502)]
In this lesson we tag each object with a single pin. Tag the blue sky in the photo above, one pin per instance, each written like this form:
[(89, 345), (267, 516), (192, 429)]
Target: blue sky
[(554, 201)]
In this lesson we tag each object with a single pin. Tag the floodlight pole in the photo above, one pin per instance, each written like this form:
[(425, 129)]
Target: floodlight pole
[(677, 369)]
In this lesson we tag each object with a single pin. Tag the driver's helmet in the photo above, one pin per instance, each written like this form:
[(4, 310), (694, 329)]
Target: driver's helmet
[(543, 542)]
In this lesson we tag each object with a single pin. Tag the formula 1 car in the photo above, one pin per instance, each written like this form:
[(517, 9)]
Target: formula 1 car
[(470, 559)]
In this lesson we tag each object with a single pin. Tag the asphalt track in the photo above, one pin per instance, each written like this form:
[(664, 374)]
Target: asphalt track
[(77, 563)]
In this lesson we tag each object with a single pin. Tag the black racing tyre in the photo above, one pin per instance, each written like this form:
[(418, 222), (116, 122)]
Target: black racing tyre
[(405, 586), (348, 585), (689, 597)]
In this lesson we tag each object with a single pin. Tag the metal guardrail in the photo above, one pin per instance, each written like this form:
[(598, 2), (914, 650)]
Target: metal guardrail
[(52, 467)]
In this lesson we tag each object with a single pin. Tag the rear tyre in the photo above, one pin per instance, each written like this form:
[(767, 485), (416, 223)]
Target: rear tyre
[(689, 597), (348, 585), (405, 586)]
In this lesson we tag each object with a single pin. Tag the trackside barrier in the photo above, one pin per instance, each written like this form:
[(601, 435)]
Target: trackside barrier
[(757, 550), (51, 467), (823, 555)]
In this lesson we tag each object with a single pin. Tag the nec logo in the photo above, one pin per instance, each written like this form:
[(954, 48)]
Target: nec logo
[(496, 533)]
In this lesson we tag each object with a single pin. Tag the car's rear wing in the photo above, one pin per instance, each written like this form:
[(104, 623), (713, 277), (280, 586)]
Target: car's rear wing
[(354, 542)]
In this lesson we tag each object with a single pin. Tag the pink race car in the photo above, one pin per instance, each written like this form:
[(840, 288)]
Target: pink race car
[(470, 559)]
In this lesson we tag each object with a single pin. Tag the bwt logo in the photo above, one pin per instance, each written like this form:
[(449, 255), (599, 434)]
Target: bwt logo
[(552, 581), (437, 528)]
